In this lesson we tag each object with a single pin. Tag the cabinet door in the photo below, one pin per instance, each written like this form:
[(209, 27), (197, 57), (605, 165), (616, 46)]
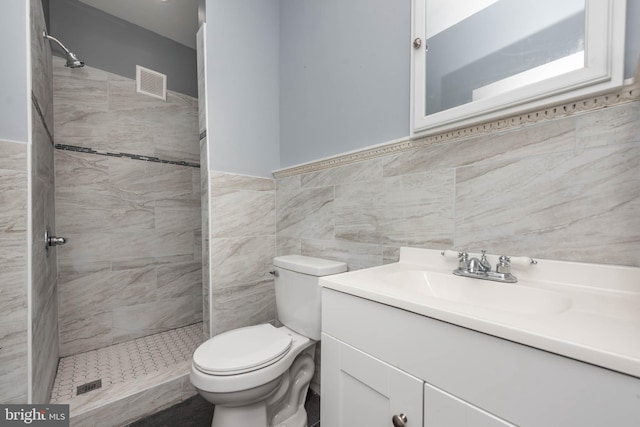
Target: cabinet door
[(442, 409), (361, 391)]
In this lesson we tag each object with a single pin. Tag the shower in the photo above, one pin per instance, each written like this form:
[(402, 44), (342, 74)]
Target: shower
[(72, 59)]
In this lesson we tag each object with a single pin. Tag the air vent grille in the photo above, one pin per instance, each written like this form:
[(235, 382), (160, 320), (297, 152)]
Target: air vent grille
[(152, 83)]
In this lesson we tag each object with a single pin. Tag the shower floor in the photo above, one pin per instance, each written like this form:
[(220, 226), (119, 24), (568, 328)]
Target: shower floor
[(127, 369)]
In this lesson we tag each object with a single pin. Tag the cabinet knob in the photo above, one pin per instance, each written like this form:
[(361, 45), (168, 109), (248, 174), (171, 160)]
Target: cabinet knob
[(399, 420), (417, 42)]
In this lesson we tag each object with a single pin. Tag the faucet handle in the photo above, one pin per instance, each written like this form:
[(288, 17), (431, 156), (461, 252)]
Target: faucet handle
[(448, 253), (484, 262), (504, 265)]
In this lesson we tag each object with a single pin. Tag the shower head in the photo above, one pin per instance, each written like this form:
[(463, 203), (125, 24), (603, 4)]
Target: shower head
[(72, 59)]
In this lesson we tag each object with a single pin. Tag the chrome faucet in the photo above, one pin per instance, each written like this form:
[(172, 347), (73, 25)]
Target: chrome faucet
[(481, 265), (480, 268)]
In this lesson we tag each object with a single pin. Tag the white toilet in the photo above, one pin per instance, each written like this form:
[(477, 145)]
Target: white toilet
[(258, 376)]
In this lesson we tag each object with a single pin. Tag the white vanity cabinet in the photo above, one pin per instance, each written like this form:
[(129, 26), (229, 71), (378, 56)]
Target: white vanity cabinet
[(441, 409), (379, 361), (364, 391)]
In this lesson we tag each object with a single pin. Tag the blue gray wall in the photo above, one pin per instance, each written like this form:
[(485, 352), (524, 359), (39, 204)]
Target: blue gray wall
[(112, 44), (344, 76), (243, 86), (14, 88)]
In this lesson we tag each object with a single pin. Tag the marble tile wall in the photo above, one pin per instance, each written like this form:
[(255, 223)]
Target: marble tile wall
[(242, 247), (204, 182), (44, 304), (132, 264), (564, 189), (13, 272), (206, 240)]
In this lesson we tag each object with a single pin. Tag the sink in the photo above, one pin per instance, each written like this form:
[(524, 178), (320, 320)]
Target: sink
[(518, 299)]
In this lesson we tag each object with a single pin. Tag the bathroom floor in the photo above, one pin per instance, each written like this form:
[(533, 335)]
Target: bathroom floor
[(197, 412), (124, 363)]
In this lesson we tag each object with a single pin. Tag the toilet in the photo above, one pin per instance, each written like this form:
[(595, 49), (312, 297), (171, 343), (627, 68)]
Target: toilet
[(258, 376)]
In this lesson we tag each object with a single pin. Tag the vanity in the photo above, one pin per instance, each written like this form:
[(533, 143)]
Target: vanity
[(411, 344)]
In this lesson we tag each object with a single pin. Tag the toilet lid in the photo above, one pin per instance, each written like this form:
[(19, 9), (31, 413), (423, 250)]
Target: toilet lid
[(242, 350)]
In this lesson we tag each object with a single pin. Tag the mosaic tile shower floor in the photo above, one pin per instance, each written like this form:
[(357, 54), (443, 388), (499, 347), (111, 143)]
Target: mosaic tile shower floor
[(127, 362)]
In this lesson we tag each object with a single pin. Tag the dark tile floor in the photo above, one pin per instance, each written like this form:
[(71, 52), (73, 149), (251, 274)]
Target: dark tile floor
[(197, 412)]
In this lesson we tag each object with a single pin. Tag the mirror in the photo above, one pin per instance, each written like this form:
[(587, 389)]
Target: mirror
[(465, 62), (485, 56)]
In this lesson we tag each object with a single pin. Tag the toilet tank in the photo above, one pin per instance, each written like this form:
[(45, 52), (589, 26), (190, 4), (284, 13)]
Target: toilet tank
[(298, 292)]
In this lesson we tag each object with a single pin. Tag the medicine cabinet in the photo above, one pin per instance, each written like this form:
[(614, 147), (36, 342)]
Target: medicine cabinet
[(477, 61)]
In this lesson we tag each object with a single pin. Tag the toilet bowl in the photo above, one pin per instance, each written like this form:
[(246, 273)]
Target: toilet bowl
[(258, 376)]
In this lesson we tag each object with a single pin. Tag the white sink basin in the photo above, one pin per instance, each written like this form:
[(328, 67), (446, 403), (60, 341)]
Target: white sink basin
[(513, 298), (587, 312)]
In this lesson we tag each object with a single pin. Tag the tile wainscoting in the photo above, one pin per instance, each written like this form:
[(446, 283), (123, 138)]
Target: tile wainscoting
[(562, 189), (242, 247), (13, 272)]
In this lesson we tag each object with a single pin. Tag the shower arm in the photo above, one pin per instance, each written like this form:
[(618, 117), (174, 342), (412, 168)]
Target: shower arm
[(47, 36)]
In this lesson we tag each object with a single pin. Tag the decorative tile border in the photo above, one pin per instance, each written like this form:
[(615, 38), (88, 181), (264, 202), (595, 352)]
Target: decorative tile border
[(127, 155), (42, 119), (623, 95)]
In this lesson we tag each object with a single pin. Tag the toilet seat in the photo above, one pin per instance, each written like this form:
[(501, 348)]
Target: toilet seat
[(242, 350)]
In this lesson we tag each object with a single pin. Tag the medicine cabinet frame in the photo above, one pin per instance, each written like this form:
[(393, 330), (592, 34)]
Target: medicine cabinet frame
[(603, 71)]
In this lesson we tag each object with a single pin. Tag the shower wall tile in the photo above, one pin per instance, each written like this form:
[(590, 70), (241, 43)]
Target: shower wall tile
[(564, 189), (100, 110), (134, 286), (132, 262), (13, 272), (41, 70), (43, 265), (205, 237), (178, 280), (13, 360), (177, 215), (202, 96), (139, 320), (86, 331), (44, 302), (243, 244)]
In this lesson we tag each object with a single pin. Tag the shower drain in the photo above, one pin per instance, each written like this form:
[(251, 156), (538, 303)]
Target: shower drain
[(87, 387)]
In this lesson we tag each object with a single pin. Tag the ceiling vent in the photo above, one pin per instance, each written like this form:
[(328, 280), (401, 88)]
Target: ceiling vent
[(152, 83)]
